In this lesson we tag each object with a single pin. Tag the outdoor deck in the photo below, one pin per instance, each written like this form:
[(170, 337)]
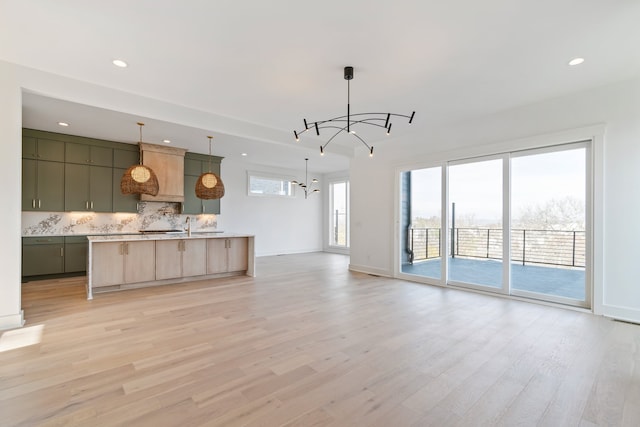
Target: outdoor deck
[(557, 281)]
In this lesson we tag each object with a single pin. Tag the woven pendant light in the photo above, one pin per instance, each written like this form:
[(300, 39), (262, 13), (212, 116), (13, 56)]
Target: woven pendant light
[(139, 179), (209, 186)]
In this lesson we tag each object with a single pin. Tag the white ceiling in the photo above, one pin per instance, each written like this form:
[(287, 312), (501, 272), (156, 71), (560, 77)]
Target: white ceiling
[(274, 63)]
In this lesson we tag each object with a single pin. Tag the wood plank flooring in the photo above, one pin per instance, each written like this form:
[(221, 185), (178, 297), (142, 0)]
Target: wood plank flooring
[(308, 343)]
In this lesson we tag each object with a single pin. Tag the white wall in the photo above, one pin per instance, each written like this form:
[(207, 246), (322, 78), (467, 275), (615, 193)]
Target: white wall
[(616, 106), (281, 225), (10, 176)]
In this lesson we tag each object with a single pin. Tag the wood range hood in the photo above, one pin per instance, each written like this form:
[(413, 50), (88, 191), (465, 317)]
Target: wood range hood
[(168, 164)]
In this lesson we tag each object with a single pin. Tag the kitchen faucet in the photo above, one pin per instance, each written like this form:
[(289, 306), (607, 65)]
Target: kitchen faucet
[(188, 226)]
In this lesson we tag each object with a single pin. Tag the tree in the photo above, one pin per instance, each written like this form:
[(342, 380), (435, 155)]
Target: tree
[(556, 214)]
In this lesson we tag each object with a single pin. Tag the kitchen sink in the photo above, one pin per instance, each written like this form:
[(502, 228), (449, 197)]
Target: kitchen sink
[(161, 231)]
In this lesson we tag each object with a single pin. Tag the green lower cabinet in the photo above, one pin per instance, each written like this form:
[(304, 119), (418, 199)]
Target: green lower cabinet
[(75, 254), (42, 255), (122, 202), (88, 188)]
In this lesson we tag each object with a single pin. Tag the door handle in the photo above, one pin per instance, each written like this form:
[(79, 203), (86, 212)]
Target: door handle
[(39, 204), (92, 205), (33, 203), (61, 251)]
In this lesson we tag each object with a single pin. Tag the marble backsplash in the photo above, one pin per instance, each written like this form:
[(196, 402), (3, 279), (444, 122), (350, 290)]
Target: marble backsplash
[(150, 216)]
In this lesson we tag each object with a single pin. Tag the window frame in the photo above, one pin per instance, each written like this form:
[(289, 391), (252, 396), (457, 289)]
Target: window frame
[(330, 243), (285, 179)]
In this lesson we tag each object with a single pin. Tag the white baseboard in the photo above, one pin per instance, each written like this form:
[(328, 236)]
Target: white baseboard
[(336, 250), (302, 251), (621, 313), (370, 270), (12, 321)]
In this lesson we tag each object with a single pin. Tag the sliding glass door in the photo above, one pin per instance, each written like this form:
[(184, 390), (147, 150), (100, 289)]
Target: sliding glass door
[(475, 223), (548, 224), (421, 222), (516, 223)]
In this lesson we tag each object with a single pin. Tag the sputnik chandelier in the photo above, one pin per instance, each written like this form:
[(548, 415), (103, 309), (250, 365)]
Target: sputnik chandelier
[(346, 123), (308, 188)]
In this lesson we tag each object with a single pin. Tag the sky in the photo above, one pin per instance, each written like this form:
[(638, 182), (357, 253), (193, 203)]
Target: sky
[(476, 187)]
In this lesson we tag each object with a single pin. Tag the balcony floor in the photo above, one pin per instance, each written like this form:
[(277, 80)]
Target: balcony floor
[(556, 281)]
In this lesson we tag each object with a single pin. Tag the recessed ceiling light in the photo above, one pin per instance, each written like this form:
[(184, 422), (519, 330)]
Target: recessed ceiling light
[(576, 61), (166, 141), (63, 124), (244, 154), (120, 63)]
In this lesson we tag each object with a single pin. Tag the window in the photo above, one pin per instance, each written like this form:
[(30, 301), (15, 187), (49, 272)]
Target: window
[(516, 224), (339, 214), (267, 184)]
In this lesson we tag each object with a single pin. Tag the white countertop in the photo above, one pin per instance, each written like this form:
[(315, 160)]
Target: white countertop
[(168, 236)]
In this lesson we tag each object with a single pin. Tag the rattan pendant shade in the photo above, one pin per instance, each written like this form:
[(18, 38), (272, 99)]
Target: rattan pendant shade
[(139, 179), (209, 185)]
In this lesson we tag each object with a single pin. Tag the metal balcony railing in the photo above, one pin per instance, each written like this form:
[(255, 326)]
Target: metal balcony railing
[(551, 247)]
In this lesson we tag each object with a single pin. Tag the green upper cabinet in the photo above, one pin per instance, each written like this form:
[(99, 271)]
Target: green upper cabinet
[(122, 202), (88, 188), (88, 154), (42, 174), (194, 166), (42, 186), (72, 173), (42, 149), (123, 159), (191, 166), (191, 205)]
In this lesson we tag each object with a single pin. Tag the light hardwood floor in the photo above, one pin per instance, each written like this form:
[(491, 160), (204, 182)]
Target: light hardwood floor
[(308, 343)]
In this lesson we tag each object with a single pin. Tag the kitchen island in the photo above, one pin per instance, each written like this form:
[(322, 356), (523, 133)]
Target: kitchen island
[(118, 262)]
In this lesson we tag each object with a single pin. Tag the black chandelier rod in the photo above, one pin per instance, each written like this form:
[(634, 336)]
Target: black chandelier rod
[(319, 124), (348, 76), (340, 130)]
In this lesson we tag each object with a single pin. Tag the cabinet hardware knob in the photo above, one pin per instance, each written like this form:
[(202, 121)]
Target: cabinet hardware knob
[(39, 204), (33, 203)]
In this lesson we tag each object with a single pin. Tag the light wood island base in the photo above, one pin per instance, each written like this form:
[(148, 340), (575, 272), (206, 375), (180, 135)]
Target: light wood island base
[(120, 262)]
